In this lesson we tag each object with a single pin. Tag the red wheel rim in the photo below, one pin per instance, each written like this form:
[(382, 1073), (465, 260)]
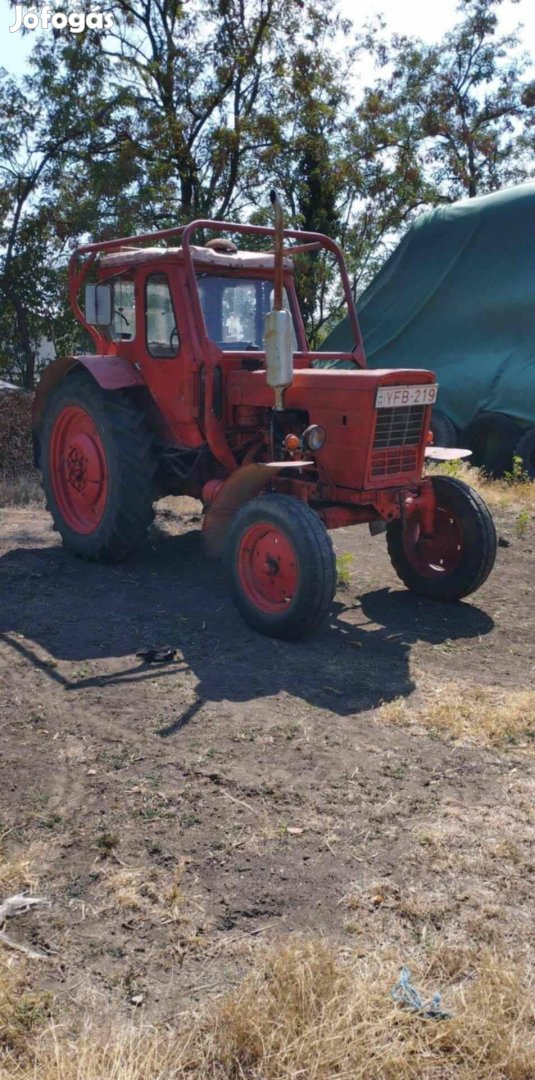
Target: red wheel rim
[(78, 469), (267, 568), (441, 553)]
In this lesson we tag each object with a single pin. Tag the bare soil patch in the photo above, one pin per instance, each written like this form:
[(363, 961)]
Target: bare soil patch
[(179, 815)]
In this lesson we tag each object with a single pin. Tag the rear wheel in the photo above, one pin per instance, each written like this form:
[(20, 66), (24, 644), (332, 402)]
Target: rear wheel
[(98, 468), (458, 558), (282, 566)]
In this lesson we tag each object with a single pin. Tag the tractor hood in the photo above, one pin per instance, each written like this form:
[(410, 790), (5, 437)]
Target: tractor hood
[(365, 446), (330, 387)]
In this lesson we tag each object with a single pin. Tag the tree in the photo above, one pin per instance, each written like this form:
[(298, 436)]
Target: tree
[(218, 100), (201, 79), (465, 101), (52, 128), (196, 109)]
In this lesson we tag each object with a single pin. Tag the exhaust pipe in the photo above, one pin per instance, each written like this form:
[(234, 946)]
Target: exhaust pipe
[(278, 322)]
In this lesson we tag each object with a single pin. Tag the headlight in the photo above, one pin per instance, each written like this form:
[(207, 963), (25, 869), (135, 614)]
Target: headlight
[(314, 437)]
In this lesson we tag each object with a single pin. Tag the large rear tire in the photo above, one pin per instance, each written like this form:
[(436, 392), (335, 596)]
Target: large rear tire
[(492, 437), (282, 566), (459, 557), (98, 468)]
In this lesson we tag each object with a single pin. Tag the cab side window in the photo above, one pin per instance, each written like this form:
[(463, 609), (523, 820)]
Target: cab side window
[(161, 329), (123, 326)]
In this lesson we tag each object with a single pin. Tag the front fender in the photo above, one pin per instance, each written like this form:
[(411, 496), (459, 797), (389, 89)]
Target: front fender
[(110, 372), (242, 485)]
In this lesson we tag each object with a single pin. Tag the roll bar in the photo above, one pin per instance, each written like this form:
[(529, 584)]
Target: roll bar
[(308, 241)]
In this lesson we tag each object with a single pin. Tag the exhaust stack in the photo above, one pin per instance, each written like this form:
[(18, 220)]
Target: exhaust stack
[(278, 324)]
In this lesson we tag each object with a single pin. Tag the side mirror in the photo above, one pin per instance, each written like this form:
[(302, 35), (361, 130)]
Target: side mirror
[(98, 305)]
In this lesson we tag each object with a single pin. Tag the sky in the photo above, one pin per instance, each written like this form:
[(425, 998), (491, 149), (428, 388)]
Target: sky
[(424, 18)]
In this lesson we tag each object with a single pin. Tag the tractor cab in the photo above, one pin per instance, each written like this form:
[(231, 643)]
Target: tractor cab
[(235, 290)]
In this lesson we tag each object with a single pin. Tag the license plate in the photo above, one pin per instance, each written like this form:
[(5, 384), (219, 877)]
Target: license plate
[(391, 397)]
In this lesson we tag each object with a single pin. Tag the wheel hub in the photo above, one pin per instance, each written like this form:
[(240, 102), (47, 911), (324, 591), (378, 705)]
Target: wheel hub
[(78, 469), (267, 566), (440, 553)]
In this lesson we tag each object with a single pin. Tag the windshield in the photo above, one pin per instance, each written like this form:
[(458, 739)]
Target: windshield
[(234, 310)]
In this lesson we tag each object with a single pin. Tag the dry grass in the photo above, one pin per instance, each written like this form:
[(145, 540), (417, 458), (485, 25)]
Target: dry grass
[(476, 714), (148, 890), (17, 874), (23, 1013), (518, 492), (303, 1012), (21, 490), (157, 897), (134, 889)]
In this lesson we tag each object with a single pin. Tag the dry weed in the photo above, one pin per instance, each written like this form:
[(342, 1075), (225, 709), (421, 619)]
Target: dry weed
[(482, 715), (159, 897), (17, 874), (22, 1013), (497, 493), (21, 490), (303, 1012)]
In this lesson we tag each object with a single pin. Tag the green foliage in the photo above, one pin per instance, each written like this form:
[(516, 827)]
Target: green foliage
[(517, 474), (522, 522), (465, 105), (451, 468), (343, 570), (196, 109), (107, 842)]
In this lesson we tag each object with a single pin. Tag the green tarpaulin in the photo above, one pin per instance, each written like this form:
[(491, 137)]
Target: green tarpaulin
[(457, 296)]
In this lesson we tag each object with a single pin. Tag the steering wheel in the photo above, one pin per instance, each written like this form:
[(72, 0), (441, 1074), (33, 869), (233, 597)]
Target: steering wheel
[(238, 346), (173, 344)]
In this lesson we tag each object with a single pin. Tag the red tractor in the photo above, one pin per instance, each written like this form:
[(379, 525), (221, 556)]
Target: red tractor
[(202, 383)]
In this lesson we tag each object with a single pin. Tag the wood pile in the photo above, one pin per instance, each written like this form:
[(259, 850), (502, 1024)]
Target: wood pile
[(16, 455)]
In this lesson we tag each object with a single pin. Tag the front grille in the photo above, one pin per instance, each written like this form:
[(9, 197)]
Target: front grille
[(399, 427), (398, 435), (393, 461)]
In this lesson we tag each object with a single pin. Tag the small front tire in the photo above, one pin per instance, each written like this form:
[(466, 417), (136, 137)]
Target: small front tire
[(281, 565), (460, 555)]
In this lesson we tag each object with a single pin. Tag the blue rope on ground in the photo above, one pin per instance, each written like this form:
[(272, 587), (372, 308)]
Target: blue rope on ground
[(406, 994)]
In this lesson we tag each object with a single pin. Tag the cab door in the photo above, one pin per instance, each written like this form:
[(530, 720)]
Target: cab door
[(164, 353)]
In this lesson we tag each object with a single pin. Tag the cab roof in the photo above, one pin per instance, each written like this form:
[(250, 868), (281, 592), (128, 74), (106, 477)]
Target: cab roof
[(242, 260)]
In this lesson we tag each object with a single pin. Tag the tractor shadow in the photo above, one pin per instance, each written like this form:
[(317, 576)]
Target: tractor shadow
[(71, 611)]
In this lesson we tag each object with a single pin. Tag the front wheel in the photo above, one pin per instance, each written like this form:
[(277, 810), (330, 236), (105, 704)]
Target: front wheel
[(282, 566), (459, 556)]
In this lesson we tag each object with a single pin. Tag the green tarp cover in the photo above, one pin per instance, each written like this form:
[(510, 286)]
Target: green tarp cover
[(457, 296)]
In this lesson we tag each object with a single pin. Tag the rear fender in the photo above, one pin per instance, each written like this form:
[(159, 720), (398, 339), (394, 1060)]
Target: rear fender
[(242, 485), (110, 372)]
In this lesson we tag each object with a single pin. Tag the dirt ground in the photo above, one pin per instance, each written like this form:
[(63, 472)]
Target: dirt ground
[(178, 814)]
